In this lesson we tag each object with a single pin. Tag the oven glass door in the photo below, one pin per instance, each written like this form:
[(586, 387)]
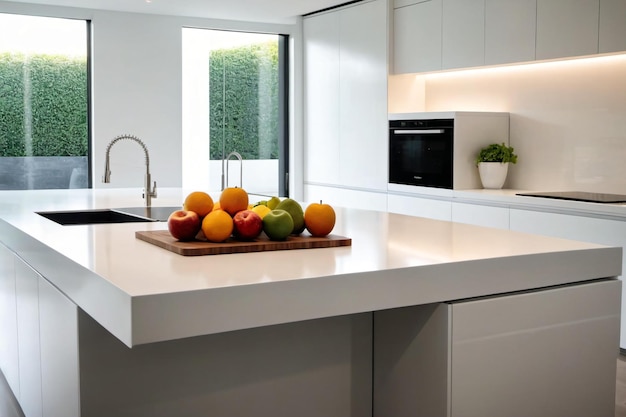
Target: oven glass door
[(421, 157)]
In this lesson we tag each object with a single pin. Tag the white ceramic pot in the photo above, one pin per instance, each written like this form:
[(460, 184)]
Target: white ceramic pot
[(493, 174)]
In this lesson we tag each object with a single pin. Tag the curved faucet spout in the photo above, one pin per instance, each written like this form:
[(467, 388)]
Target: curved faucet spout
[(228, 157), (149, 192)]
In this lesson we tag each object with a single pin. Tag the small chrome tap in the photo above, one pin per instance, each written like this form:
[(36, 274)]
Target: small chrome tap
[(148, 192), (238, 156)]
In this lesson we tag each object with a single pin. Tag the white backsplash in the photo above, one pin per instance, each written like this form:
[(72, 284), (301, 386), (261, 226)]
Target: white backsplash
[(567, 118)]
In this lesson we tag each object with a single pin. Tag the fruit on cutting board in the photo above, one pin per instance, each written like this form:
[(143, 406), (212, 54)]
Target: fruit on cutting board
[(273, 202), (319, 219), (217, 226), (233, 199), (247, 225), (199, 202), (277, 224), (184, 224), (294, 208), (261, 210)]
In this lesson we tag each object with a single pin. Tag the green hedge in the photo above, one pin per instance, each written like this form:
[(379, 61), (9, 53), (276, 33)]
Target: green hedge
[(56, 93), (243, 94)]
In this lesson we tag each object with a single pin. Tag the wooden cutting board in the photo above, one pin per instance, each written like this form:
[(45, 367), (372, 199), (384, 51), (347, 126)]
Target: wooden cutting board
[(164, 239)]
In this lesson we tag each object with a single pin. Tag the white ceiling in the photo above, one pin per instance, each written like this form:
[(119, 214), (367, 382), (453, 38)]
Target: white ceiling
[(269, 11)]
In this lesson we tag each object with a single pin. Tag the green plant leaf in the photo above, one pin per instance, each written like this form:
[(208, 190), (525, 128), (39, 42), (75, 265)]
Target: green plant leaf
[(497, 152)]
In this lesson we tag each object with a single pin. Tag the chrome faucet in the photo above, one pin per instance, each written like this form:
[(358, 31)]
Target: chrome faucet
[(238, 156), (148, 193)]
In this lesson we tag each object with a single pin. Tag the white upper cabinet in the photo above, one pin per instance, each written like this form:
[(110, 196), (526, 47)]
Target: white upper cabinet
[(567, 28), (345, 97), (463, 36), (417, 37), (612, 26), (436, 35), (510, 27), (363, 96), (321, 98)]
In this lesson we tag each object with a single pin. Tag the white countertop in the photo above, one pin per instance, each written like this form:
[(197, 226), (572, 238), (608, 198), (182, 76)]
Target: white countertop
[(142, 293), (509, 198)]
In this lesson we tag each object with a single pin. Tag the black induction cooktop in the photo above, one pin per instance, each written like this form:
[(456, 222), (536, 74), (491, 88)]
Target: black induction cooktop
[(579, 196)]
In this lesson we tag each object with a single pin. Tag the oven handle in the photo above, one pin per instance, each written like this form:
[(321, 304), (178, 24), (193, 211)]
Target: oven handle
[(419, 131)]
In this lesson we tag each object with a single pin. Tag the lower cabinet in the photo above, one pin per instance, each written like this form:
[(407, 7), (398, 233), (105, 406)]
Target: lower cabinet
[(588, 229), (452, 359), (8, 320), (39, 355), (344, 197), (420, 207), (58, 321), (27, 300), (488, 216)]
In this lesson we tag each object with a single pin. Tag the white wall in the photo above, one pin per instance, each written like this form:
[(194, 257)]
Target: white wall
[(137, 88), (568, 118)]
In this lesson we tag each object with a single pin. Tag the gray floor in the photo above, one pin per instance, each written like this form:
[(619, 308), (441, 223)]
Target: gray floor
[(10, 408)]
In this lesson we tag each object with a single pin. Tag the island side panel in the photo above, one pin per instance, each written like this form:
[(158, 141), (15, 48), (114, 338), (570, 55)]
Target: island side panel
[(312, 368)]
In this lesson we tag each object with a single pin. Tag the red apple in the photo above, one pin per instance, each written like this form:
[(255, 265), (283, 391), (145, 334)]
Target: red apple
[(248, 224), (184, 224)]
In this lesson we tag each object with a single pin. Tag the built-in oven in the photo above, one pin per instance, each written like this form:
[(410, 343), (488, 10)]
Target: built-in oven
[(421, 152)]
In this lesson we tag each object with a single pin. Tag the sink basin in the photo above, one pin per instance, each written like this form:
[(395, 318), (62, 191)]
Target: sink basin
[(77, 217), (154, 213), (103, 216)]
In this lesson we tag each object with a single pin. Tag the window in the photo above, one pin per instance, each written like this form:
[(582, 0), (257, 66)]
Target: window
[(44, 123), (234, 107)]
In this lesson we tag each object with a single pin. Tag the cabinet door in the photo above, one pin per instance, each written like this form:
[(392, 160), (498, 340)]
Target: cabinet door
[(27, 288), (420, 207), (363, 96), (588, 229), (479, 215), (321, 98), (555, 349), (612, 26), (58, 320), (463, 33), (567, 28), (510, 31), (417, 37), (342, 197), (345, 140), (8, 320)]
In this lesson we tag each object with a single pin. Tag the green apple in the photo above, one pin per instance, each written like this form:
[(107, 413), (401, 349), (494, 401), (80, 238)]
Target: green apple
[(277, 224), (297, 214)]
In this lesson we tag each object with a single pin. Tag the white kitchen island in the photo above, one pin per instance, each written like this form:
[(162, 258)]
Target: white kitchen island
[(417, 317)]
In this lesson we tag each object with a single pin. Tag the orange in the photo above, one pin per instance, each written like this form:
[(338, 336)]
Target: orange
[(319, 219), (216, 206), (217, 226), (199, 202), (233, 199)]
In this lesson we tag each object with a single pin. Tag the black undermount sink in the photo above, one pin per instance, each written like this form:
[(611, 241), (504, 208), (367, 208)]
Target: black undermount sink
[(104, 216)]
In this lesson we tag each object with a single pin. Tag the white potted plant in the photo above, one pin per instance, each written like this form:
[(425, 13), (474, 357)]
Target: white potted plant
[(493, 164)]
